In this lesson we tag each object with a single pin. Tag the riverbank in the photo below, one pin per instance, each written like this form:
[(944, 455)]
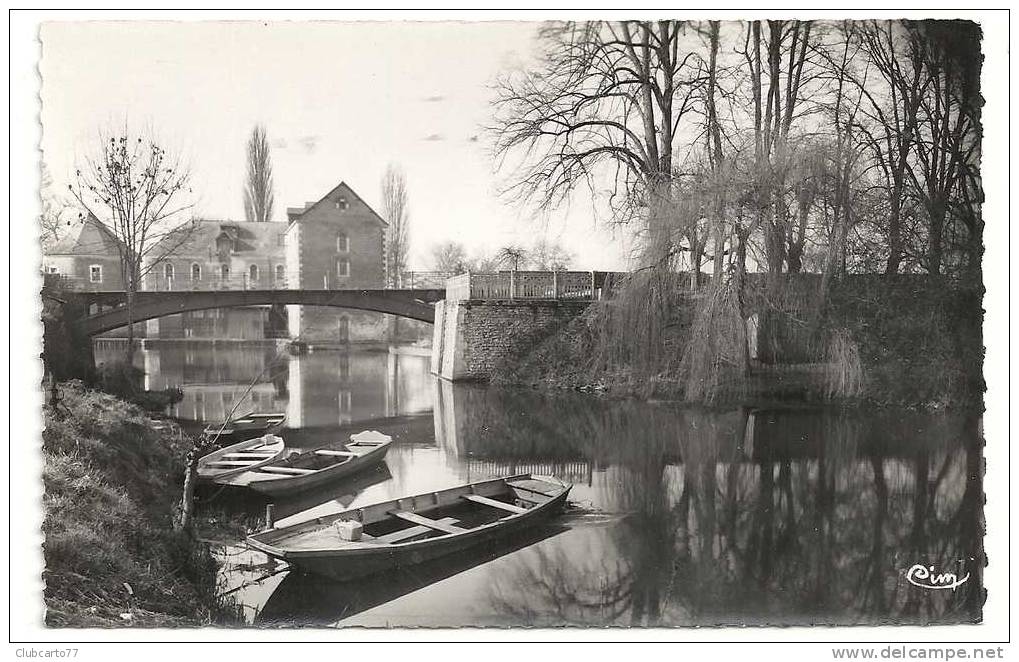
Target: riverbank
[(112, 489), (919, 344)]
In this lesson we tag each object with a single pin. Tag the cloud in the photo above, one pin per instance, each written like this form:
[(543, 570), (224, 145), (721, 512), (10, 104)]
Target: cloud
[(280, 143), (472, 139), (435, 98), (435, 137), (309, 143)]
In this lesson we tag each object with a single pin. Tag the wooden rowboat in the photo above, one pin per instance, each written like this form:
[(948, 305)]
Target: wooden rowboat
[(241, 457), (301, 471), (414, 529), (245, 427)]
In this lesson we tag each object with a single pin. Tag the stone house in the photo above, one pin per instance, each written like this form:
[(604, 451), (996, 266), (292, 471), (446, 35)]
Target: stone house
[(336, 242), (218, 254), (87, 257)]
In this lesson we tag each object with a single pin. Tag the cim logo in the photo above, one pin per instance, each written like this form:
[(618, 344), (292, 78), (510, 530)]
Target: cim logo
[(925, 576)]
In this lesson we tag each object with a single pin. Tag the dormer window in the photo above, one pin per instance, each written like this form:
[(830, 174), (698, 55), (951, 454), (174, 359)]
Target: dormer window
[(342, 243), (342, 204), (224, 245)]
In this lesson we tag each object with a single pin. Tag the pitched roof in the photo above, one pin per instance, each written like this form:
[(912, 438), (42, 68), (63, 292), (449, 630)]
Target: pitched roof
[(87, 237), (254, 238), (294, 213)]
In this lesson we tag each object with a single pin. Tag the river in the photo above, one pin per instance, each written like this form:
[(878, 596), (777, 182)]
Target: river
[(678, 516)]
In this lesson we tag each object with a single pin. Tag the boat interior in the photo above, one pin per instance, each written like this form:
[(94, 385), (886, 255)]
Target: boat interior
[(421, 517), (248, 422), (301, 464), (260, 450)]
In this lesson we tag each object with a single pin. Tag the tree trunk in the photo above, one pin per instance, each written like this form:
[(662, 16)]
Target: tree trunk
[(936, 250), (895, 227), (188, 498), (130, 328)]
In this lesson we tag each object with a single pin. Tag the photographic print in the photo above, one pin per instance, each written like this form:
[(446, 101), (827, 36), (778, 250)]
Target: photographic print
[(512, 324)]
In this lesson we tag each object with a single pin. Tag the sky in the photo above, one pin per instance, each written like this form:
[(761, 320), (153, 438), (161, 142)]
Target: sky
[(340, 101)]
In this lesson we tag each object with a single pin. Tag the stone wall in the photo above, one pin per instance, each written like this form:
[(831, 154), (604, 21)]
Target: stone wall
[(473, 339)]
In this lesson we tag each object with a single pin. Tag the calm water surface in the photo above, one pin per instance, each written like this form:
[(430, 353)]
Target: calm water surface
[(678, 516)]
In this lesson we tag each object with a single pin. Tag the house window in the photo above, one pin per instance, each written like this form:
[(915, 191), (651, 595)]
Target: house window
[(343, 267), (253, 273), (281, 274), (95, 273), (224, 271), (168, 271), (196, 271), (52, 270), (342, 243), (342, 204)]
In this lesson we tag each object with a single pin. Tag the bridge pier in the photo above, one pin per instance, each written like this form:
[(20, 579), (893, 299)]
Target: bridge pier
[(473, 339)]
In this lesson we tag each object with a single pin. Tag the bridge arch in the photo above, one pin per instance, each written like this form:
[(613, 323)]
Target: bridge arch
[(412, 304)]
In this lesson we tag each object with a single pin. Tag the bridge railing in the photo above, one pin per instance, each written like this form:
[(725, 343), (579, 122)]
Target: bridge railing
[(161, 283), (578, 285), (424, 280)]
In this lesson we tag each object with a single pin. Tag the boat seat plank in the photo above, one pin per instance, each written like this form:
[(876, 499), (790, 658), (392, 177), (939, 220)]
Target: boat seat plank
[(251, 456), (230, 463), (329, 451), (529, 489), (424, 521), (292, 471), (411, 532), (477, 498)]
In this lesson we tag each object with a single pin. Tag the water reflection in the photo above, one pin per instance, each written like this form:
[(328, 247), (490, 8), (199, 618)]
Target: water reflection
[(322, 389), (738, 517), (685, 517), (682, 516)]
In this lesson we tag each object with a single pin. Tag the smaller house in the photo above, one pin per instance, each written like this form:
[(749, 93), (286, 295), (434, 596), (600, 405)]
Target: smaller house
[(87, 257)]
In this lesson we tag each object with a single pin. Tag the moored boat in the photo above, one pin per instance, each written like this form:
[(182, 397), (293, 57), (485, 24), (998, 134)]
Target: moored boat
[(240, 457), (414, 529), (302, 471), (245, 427)]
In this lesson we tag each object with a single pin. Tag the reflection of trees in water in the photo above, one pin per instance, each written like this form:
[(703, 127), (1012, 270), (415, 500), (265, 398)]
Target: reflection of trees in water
[(802, 530)]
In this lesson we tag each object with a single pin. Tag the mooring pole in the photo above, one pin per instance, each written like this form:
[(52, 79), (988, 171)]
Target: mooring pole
[(270, 512)]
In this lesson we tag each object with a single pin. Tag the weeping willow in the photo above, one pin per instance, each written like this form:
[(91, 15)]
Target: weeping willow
[(843, 374), (716, 358)]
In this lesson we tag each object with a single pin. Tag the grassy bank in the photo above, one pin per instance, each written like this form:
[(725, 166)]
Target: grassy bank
[(112, 488), (919, 343)]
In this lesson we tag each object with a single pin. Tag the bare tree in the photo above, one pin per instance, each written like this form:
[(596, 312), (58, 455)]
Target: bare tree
[(449, 257), (136, 188), (397, 213), (53, 207), (948, 144), (258, 188), (550, 256), (605, 103), (894, 51), (512, 256)]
